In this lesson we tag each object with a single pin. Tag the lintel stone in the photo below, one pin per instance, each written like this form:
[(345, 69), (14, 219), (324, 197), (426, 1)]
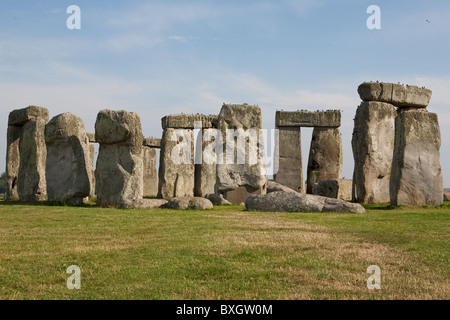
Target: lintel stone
[(304, 118), (152, 142), (187, 121)]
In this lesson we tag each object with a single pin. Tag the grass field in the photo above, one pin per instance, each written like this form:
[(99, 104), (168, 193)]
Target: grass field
[(224, 253)]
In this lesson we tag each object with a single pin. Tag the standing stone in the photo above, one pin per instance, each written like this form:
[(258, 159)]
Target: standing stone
[(119, 171), (31, 184), (241, 170), (325, 156), (176, 166), (68, 165), (288, 153), (373, 147), (416, 177), (339, 189), (16, 120), (92, 161), (150, 172), (205, 167)]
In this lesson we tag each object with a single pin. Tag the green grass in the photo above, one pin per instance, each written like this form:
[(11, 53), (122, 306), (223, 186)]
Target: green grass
[(224, 253)]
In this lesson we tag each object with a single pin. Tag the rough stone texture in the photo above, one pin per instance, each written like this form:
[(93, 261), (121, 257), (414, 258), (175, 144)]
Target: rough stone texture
[(206, 165), (152, 142), (92, 161), (230, 174), (274, 187), (150, 172), (416, 177), (240, 194), (176, 164), (16, 120), (217, 199), (303, 118), (299, 202), (12, 162), (187, 121), (91, 137), (288, 158), (119, 171), (68, 166), (20, 117), (338, 189), (142, 203), (373, 147), (395, 94), (325, 156), (188, 203), (31, 184)]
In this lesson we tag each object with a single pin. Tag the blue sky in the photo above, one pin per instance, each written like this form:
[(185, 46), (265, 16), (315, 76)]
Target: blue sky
[(164, 57)]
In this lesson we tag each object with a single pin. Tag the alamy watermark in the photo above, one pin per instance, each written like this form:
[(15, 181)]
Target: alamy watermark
[(74, 20), (374, 21), (74, 281), (374, 281)]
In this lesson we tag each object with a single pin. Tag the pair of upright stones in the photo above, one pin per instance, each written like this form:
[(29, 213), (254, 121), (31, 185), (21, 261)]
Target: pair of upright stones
[(228, 157), (325, 156), (47, 160), (396, 144)]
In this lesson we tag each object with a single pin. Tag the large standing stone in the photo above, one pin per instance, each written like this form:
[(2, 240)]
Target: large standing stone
[(68, 166), (325, 156), (416, 177), (241, 169), (288, 153), (205, 167), (31, 184), (16, 120), (176, 166), (119, 171), (395, 94), (150, 172), (373, 147)]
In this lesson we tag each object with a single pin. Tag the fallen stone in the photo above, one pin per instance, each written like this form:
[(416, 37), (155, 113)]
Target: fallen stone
[(416, 177), (373, 148), (273, 186), (217, 199), (338, 189), (303, 118), (142, 203), (68, 165), (188, 203), (395, 94), (299, 202), (325, 156)]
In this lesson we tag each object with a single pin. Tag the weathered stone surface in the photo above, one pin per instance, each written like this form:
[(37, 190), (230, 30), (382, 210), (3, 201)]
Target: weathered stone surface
[(416, 177), (91, 137), (205, 163), (325, 156), (338, 189), (217, 199), (395, 94), (92, 161), (187, 121), (119, 171), (31, 184), (188, 203), (152, 142), (288, 158), (299, 202), (68, 166), (119, 127), (304, 118), (142, 203), (240, 194), (20, 117), (176, 164), (273, 186), (12, 162), (373, 147), (150, 172), (243, 162)]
